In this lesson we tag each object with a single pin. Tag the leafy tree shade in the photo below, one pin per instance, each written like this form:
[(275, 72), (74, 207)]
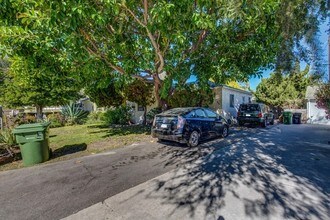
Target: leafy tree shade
[(190, 95), (106, 93), (286, 91), (33, 82), (221, 39), (323, 98), (140, 92)]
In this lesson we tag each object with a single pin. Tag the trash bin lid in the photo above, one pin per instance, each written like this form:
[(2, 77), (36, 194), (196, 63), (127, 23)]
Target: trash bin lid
[(28, 128), (287, 113)]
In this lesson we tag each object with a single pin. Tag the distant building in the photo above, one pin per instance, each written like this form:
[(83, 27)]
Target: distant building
[(315, 115), (227, 99)]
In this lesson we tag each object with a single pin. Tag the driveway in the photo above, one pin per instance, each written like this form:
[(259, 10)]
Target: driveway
[(281, 172)]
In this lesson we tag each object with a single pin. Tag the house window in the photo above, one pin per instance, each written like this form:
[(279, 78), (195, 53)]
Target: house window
[(243, 99), (231, 100), (249, 99), (140, 108)]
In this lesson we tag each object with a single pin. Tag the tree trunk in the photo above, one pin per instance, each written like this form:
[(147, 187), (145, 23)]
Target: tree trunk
[(145, 116), (161, 103), (39, 112)]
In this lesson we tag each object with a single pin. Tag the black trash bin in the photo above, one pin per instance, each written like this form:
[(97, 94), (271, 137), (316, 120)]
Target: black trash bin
[(296, 118)]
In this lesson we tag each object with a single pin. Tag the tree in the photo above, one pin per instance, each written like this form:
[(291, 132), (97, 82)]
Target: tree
[(222, 40), (29, 81), (140, 92), (104, 92), (190, 95), (323, 98), (284, 91), (234, 84)]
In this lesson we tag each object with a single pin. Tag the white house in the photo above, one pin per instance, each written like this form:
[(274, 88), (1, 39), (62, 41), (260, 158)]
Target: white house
[(227, 99), (138, 111), (314, 114)]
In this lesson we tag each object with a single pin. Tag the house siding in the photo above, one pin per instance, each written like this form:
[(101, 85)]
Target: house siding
[(316, 115), (238, 99)]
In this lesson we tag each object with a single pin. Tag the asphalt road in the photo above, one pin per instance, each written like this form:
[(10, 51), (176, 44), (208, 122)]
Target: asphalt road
[(58, 190)]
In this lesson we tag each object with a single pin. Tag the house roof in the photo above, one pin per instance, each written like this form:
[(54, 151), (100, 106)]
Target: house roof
[(310, 92), (231, 88)]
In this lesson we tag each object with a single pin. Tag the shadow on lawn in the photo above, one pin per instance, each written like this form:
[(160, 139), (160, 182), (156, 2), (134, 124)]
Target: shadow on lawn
[(68, 149), (121, 130), (265, 174)]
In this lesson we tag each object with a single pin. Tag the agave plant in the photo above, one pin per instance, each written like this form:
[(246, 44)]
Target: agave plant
[(73, 114)]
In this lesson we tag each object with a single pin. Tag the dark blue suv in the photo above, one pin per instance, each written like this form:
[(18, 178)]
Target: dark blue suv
[(189, 125)]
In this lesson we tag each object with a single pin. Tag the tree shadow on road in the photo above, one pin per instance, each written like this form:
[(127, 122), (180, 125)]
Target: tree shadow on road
[(263, 178)]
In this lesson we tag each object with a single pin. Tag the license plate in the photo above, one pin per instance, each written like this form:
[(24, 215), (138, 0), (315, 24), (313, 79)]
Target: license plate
[(247, 115), (163, 126)]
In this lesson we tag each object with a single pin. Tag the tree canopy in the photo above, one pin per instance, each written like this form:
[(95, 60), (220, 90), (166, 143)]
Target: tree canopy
[(284, 91), (190, 95), (34, 82), (218, 39)]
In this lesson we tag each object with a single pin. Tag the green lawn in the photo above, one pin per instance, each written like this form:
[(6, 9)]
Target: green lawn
[(80, 140)]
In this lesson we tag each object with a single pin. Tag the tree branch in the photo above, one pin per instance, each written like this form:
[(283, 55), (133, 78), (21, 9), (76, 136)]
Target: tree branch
[(150, 36), (145, 13), (134, 16)]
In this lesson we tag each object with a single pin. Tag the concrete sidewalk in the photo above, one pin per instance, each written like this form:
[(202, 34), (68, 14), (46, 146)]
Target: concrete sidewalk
[(259, 177)]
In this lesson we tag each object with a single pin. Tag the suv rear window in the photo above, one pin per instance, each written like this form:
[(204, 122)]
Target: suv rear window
[(250, 107)]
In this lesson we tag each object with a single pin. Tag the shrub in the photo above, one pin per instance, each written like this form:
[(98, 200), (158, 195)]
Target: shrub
[(151, 114), (95, 117), (29, 119), (120, 115), (7, 138), (74, 114), (56, 120)]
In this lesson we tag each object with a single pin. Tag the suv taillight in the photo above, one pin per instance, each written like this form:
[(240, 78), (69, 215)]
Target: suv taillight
[(238, 114), (181, 122), (260, 115)]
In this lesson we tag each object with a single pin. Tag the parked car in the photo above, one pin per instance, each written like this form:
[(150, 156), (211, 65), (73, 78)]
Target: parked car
[(189, 125), (255, 113)]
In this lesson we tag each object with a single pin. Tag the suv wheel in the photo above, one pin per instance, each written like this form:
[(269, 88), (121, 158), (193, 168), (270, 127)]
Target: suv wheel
[(272, 122), (264, 123), (193, 139)]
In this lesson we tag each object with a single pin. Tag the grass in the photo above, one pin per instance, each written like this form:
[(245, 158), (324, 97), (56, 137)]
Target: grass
[(81, 140)]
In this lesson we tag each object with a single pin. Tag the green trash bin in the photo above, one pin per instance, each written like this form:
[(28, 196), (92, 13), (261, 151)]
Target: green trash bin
[(33, 140), (287, 118)]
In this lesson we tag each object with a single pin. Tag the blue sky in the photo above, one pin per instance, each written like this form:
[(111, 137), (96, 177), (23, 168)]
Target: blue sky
[(323, 39)]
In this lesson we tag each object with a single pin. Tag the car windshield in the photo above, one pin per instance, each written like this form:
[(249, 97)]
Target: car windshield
[(252, 107)]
